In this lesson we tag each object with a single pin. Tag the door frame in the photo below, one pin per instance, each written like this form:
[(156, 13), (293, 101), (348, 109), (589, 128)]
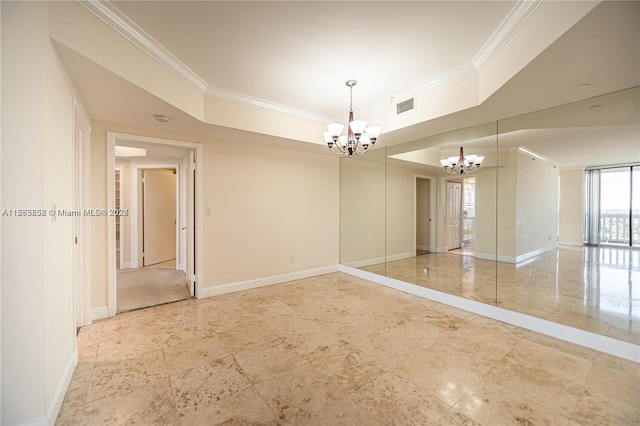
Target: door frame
[(432, 211), (137, 201), (197, 223), (82, 223), (443, 206)]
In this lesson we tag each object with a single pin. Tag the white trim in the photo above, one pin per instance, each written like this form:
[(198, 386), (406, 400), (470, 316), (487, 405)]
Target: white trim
[(135, 206), (112, 137), (129, 265), (119, 22), (82, 224), (401, 256), (111, 225), (366, 262), (40, 421), (244, 100), (120, 168), (515, 259), (61, 391), (577, 336), (262, 282), (99, 312), (571, 243), (518, 15)]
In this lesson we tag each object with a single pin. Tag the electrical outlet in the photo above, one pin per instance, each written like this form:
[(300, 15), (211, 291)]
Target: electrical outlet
[(292, 259)]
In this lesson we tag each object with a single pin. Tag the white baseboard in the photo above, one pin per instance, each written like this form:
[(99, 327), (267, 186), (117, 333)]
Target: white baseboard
[(378, 260), (580, 337), (401, 256), (572, 243), (262, 282), (99, 312), (366, 262), (61, 391)]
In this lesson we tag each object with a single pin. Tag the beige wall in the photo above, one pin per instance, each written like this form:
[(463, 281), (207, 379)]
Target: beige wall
[(400, 224), (37, 253), (571, 207), (269, 205), (362, 209), (486, 198), (537, 206)]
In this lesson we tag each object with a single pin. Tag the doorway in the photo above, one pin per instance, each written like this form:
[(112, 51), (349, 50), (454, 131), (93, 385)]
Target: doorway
[(460, 216), (171, 260), (159, 216), (453, 216), (425, 205)]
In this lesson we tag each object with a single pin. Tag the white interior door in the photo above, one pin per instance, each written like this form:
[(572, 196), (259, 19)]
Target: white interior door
[(159, 216), (453, 215)]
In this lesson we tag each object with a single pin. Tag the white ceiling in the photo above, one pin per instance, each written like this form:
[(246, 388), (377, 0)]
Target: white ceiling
[(300, 53)]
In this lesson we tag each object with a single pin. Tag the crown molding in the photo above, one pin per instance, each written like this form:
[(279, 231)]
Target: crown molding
[(240, 99), (117, 20), (510, 25), (500, 37), (453, 76)]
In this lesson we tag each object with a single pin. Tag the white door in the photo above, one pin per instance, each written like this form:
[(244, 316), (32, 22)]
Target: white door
[(453, 213), (159, 216)]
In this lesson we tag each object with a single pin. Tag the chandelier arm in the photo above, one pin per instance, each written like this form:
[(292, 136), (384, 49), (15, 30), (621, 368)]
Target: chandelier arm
[(340, 151), (363, 151)]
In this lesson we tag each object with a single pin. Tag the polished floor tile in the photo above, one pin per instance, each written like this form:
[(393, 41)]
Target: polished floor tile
[(591, 288), (337, 350)]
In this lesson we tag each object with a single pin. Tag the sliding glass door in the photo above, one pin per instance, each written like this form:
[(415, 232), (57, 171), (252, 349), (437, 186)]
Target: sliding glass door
[(613, 200)]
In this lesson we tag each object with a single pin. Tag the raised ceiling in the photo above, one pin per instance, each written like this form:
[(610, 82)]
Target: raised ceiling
[(256, 70)]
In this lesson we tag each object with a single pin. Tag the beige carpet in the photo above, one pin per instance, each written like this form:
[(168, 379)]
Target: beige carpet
[(150, 286)]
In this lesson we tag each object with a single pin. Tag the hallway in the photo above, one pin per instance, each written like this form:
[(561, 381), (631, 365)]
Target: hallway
[(150, 286)]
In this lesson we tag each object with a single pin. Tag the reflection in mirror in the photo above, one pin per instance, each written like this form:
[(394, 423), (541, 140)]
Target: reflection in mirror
[(566, 233), (362, 201), (540, 229), (440, 227)]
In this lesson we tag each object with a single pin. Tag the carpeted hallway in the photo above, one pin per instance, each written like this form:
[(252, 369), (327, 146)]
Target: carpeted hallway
[(150, 286)]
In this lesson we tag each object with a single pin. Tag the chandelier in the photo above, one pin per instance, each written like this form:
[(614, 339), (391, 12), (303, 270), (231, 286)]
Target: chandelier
[(462, 164), (359, 138)]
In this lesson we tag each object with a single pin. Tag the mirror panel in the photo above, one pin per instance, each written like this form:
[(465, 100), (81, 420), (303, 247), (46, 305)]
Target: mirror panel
[(545, 269), (524, 227), (441, 227)]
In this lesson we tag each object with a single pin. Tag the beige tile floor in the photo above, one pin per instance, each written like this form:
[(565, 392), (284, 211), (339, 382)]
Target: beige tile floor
[(590, 288), (337, 350)]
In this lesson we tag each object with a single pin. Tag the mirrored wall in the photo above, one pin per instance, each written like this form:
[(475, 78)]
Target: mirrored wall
[(513, 233)]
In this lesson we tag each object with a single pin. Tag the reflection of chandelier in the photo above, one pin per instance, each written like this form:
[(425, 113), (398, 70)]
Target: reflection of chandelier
[(463, 164), (358, 135)]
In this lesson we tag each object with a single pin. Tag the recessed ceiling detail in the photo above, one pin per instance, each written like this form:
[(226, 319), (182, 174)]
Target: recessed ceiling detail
[(117, 20)]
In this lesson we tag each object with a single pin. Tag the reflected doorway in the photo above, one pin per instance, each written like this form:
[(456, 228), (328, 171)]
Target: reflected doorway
[(461, 210)]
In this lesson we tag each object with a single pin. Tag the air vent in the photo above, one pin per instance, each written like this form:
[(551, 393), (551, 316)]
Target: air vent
[(405, 106)]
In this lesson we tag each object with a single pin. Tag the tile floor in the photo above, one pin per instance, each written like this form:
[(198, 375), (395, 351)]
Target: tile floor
[(337, 350), (591, 288)]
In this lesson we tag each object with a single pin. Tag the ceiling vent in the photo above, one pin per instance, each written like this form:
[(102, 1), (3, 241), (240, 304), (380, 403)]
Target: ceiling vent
[(405, 106)]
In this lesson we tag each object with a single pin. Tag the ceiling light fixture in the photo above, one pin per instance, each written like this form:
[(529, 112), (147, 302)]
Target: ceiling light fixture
[(130, 151), (359, 138), (462, 164)]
